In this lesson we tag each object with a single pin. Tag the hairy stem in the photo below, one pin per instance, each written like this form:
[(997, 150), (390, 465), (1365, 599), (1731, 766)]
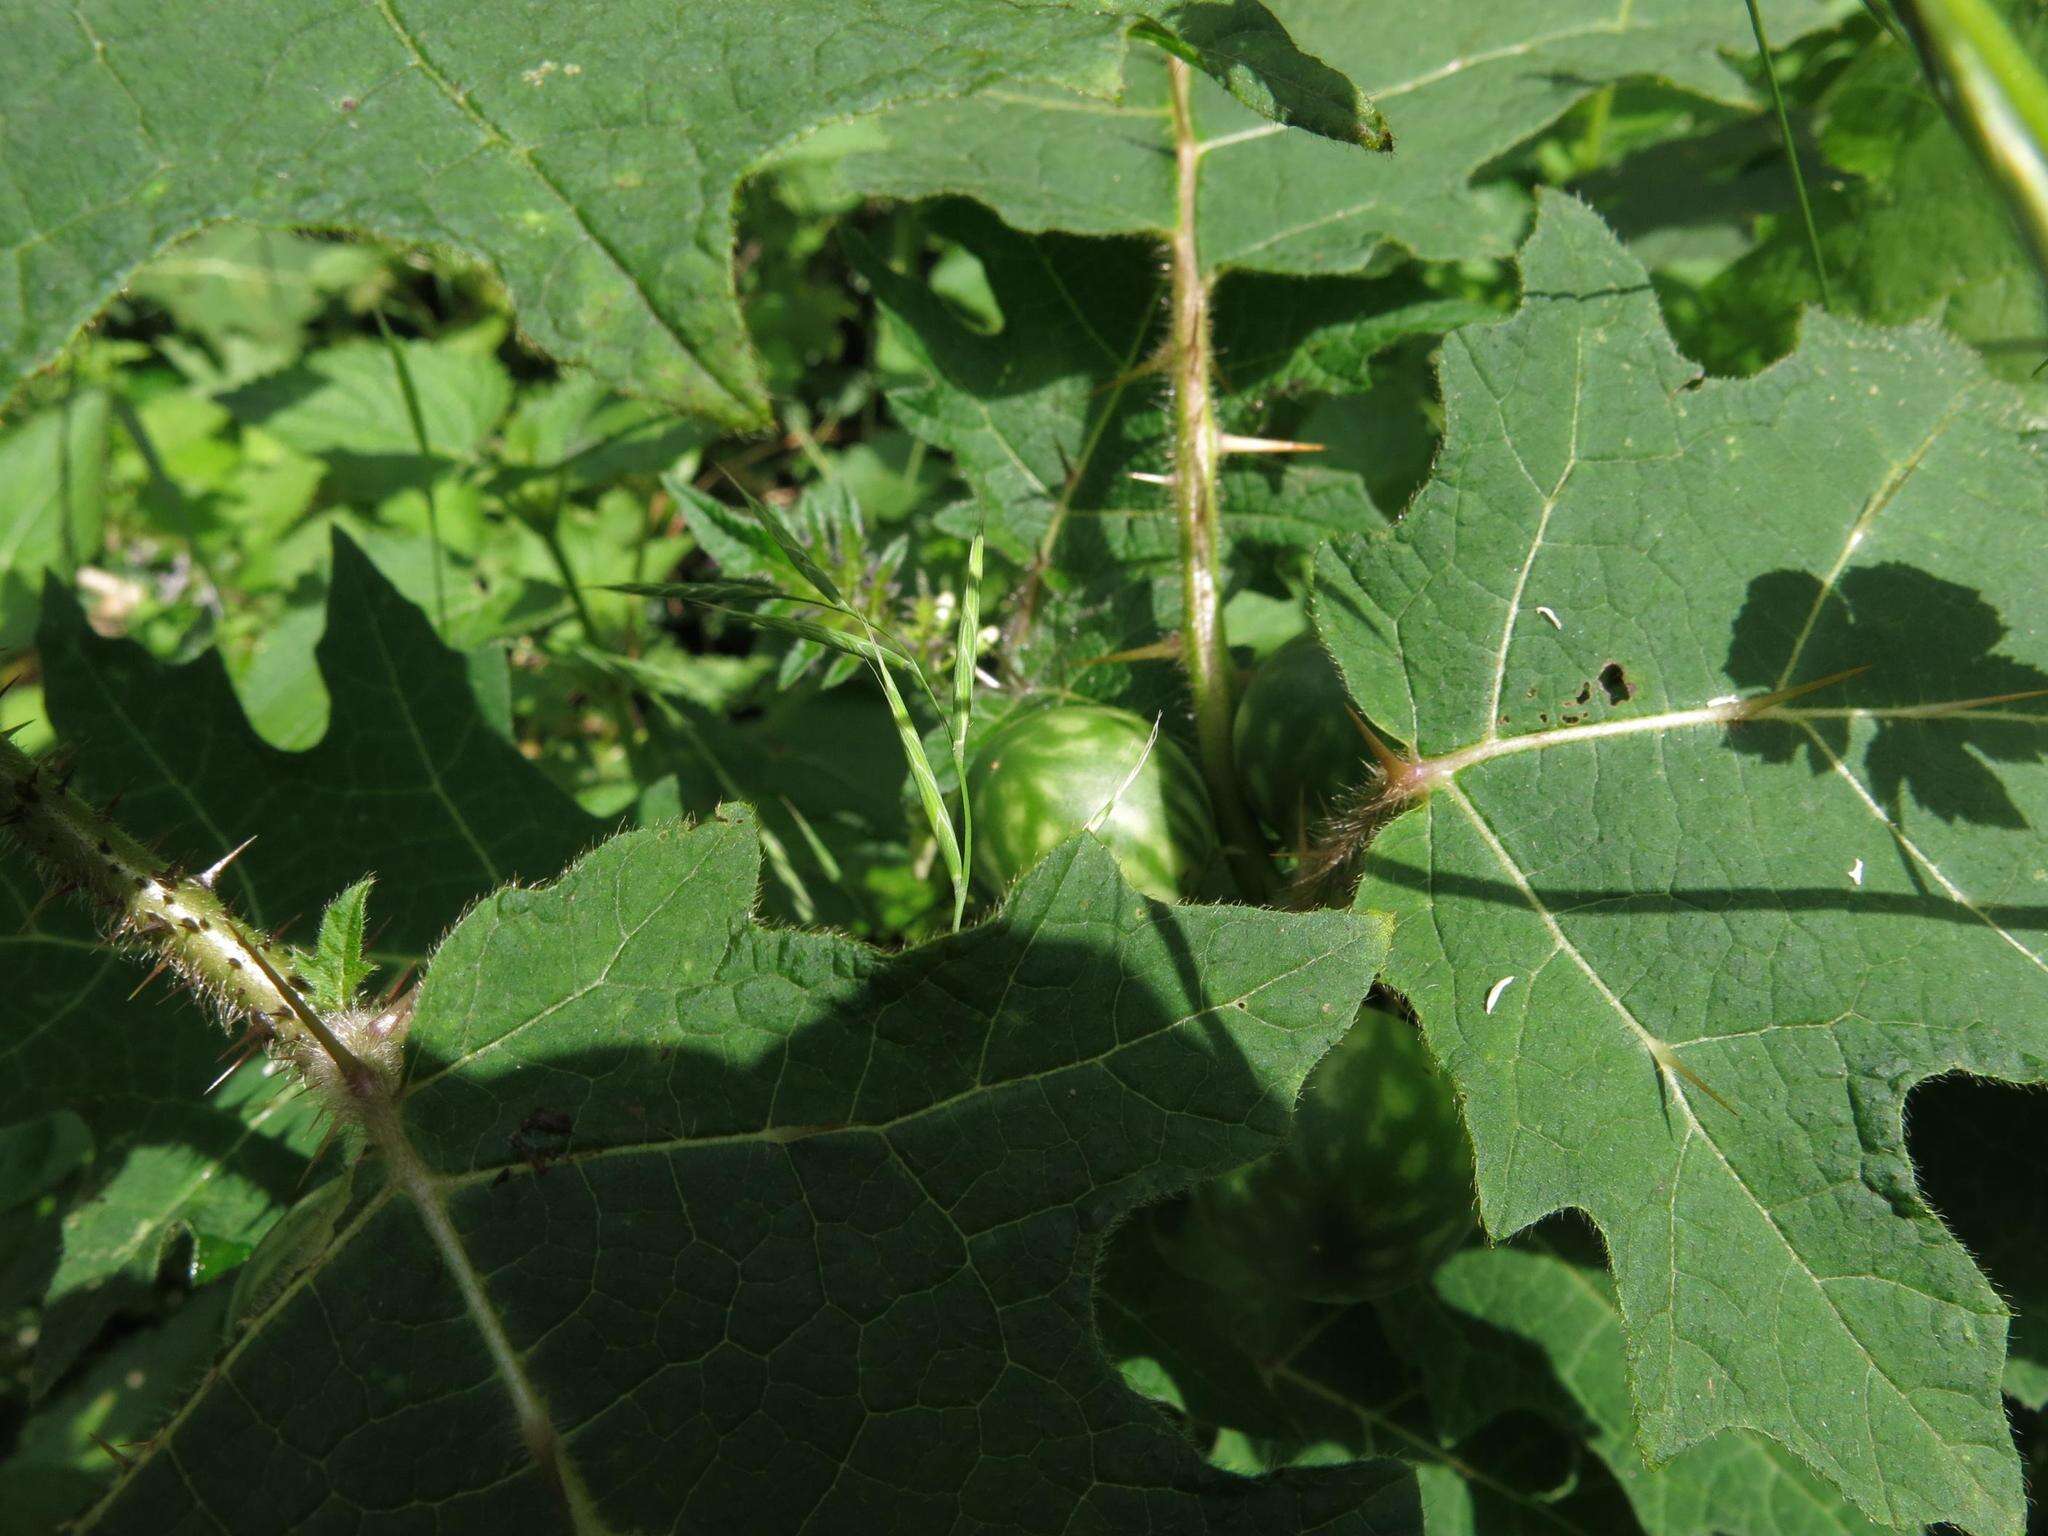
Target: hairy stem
[(250, 981), (1401, 781), (1204, 650), (142, 900), (1411, 778), (136, 894)]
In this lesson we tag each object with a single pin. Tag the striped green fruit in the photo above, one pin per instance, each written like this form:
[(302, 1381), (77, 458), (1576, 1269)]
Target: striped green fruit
[(1047, 773), (1373, 1189), (1297, 747)]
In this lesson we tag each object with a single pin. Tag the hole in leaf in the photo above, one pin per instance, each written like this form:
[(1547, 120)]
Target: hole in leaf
[(1971, 1143), (1615, 684)]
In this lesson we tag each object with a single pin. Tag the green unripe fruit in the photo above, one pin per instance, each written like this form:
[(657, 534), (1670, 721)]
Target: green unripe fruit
[(1047, 773), (1372, 1191), (1297, 746)]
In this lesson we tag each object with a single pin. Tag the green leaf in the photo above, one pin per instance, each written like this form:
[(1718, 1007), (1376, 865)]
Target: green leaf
[(59, 1457), (443, 125), (819, 768), (817, 1246), (1972, 1144), (1244, 46), (1266, 1382), (336, 966), (1736, 1483), (53, 466), (346, 405), (730, 535), (407, 784), (411, 781), (236, 283), (1460, 88), (574, 436), (1050, 416), (183, 1210), (1912, 230), (1686, 960), (1036, 415), (38, 1155)]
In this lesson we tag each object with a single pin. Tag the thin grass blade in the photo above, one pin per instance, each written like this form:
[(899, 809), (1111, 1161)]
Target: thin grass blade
[(927, 785), (1763, 53), (798, 557)]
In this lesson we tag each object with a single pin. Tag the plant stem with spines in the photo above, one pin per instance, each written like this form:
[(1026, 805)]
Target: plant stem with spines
[(174, 916), (1204, 650)]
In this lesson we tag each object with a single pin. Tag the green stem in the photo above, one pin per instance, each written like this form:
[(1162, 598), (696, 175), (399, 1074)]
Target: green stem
[(550, 531), (169, 490), (177, 917), (417, 417), (617, 694), (1204, 650), (1997, 98), (1763, 52), (1594, 144)]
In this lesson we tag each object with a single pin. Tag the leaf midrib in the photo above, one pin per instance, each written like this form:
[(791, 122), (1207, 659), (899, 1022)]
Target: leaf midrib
[(1675, 1087)]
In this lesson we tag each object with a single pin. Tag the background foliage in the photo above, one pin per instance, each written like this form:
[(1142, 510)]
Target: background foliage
[(358, 356)]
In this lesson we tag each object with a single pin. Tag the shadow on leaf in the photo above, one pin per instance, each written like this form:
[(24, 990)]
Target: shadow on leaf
[(1921, 641), (788, 1234)]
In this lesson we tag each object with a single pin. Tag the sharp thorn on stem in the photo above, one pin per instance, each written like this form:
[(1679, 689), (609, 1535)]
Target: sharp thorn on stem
[(398, 986), (213, 871), (1964, 706), (327, 1139), (120, 1458), (154, 971), (227, 1072), (1159, 362), (1393, 767), (1230, 442), (1158, 650), (1670, 1062)]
